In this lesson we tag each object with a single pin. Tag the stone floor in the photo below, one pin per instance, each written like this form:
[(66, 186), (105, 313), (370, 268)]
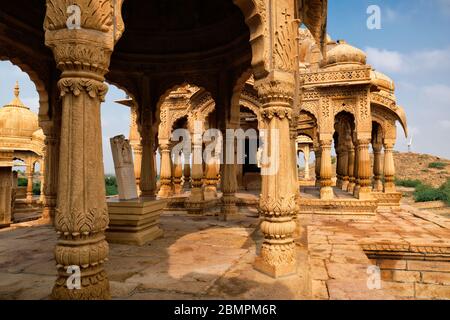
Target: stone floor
[(204, 258)]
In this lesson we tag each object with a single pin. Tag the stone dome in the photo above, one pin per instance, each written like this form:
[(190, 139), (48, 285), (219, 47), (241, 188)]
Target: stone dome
[(38, 135), (16, 119), (382, 80), (344, 53)]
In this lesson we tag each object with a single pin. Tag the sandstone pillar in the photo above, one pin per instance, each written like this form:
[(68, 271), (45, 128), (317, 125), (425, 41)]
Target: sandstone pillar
[(339, 175), (187, 172), (177, 174), (277, 202), (351, 168), (318, 156), (195, 203), (211, 180), (229, 184), (51, 172), (306, 154), (165, 180), (293, 136), (82, 54), (389, 167), (41, 179), (344, 168), (377, 168), (6, 188), (356, 170), (135, 142), (326, 172), (29, 174), (364, 173), (147, 180)]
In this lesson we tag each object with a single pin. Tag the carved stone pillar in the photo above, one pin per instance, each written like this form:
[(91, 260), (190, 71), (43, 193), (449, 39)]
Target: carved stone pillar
[(339, 164), (165, 180), (356, 170), (82, 54), (377, 168), (211, 180), (277, 201), (51, 172), (293, 136), (229, 184), (6, 188), (318, 156), (389, 167), (135, 142), (344, 168), (364, 173), (187, 172), (147, 181), (41, 179), (29, 174), (306, 154), (351, 168), (195, 203), (177, 174), (326, 172)]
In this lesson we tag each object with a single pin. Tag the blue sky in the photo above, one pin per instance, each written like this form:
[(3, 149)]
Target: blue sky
[(412, 47)]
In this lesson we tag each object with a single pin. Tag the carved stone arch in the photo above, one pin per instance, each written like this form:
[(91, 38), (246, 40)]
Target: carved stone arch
[(250, 102), (255, 14), (312, 107), (386, 119), (44, 112), (346, 105), (395, 112)]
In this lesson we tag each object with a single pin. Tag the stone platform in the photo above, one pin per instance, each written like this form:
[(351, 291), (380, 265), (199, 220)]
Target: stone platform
[(134, 222)]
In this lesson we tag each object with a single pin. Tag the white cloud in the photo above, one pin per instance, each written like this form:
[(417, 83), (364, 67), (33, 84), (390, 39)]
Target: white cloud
[(437, 94), (445, 124), (415, 62)]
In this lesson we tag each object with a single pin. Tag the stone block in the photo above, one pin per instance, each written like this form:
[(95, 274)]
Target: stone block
[(406, 276), (134, 222), (428, 265), (432, 291), (436, 278)]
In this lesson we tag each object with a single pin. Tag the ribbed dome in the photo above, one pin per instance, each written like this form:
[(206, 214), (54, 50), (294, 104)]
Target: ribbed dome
[(16, 119), (344, 53), (382, 80)]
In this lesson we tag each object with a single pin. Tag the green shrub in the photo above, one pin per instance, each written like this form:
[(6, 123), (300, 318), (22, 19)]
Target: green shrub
[(445, 189), (437, 165), (111, 185), (425, 193), (22, 182), (37, 188), (407, 183)]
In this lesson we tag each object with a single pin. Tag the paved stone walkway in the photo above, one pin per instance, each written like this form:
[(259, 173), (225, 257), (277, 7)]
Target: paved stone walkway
[(203, 258)]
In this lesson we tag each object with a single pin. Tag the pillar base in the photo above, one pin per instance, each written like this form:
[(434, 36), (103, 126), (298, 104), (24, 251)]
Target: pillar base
[(345, 184), (98, 290), (177, 189), (210, 192), (351, 187), (276, 261), (364, 193), (326, 193), (378, 186), (165, 191)]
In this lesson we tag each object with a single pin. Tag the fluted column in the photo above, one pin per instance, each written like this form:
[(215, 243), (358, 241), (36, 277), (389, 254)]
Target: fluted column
[(277, 201), (326, 172), (41, 179), (339, 164), (177, 174), (306, 154), (364, 170), (318, 156), (82, 54), (351, 169), (389, 167), (377, 168), (187, 172), (195, 203), (165, 175), (6, 187), (29, 174), (147, 180), (228, 181), (344, 168), (356, 171), (51, 172)]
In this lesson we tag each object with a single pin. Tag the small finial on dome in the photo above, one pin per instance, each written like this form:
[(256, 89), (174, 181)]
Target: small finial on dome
[(16, 89)]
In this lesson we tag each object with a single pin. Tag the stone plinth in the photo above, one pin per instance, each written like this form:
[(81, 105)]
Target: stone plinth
[(388, 199), (134, 222), (124, 167)]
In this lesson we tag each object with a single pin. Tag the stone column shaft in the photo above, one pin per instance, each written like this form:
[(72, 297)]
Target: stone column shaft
[(364, 172), (326, 172), (177, 174), (307, 156), (389, 167), (6, 186), (228, 181), (29, 174), (278, 201), (377, 168), (351, 169), (165, 180), (344, 173), (318, 156)]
